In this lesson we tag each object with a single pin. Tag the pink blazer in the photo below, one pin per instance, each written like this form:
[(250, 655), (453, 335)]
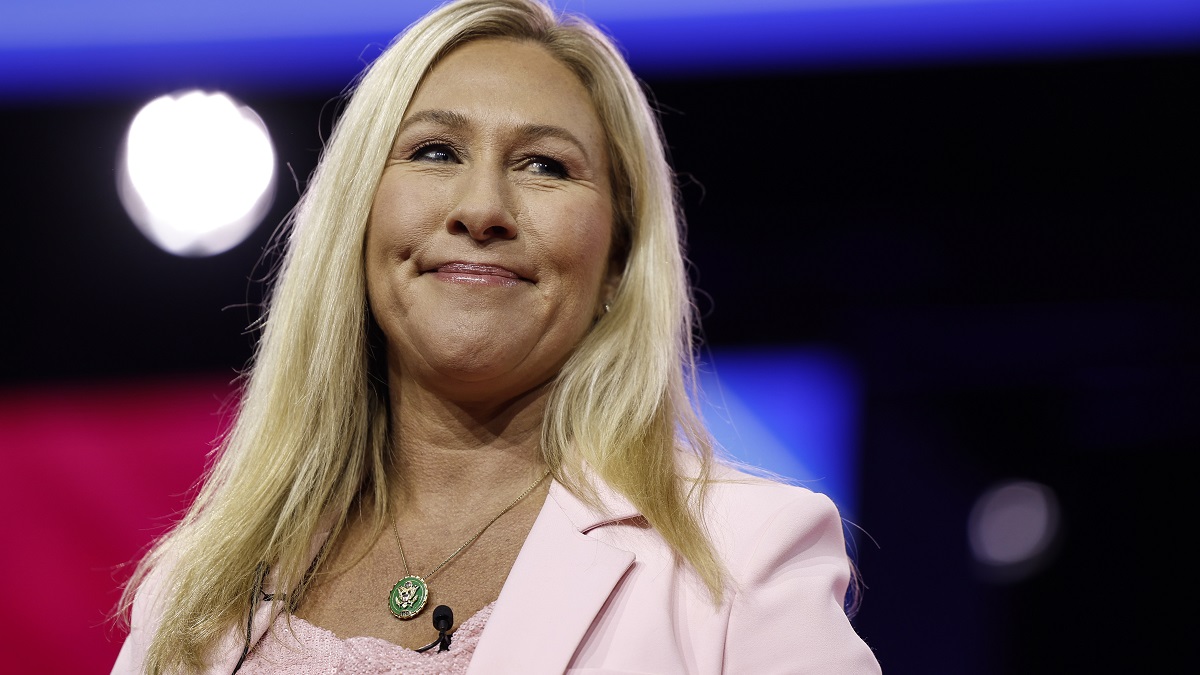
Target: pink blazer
[(599, 592)]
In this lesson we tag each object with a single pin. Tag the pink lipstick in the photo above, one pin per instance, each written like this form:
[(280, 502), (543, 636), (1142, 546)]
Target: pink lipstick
[(474, 273)]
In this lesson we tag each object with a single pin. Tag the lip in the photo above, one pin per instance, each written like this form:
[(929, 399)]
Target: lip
[(481, 274)]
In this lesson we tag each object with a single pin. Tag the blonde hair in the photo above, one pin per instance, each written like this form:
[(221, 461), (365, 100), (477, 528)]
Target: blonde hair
[(311, 434)]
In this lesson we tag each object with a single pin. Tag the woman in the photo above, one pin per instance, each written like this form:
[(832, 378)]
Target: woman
[(471, 392)]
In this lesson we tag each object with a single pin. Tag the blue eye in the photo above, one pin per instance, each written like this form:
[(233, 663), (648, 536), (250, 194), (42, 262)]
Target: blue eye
[(436, 152), (547, 167)]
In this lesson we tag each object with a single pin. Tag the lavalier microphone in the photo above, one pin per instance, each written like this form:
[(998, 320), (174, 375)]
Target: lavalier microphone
[(443, 621)]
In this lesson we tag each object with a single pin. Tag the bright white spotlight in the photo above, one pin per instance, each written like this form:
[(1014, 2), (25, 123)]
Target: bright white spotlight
[(197, 172), (1012, 528)]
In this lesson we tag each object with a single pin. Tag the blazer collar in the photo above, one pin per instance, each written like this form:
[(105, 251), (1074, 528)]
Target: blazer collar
[(613, 506), (558, 584)]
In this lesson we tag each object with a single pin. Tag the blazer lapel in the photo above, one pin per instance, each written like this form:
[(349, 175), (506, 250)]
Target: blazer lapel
[(559, 582)]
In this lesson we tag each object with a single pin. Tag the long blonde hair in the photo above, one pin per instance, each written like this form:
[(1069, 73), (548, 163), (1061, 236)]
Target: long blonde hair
[(311, 433)]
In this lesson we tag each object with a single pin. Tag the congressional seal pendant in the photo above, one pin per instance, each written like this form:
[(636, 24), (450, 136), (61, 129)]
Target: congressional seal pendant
[(408, 597)]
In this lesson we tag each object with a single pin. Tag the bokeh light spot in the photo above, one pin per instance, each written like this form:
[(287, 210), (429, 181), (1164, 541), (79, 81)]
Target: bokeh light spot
[(197, 172), (1012, 527)]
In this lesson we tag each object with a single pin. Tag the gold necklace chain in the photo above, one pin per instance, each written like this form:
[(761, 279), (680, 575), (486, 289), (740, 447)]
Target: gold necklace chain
[(408, 596)]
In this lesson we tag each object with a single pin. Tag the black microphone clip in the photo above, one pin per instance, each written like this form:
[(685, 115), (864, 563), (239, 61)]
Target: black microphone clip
[(443, 621)]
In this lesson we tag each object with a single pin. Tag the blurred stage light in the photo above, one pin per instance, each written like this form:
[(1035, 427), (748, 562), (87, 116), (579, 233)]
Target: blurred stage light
[(197, 172), (1012, 529), (791, 411)]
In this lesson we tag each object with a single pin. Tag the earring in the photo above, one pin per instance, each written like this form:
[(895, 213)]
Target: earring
[(606, 308)]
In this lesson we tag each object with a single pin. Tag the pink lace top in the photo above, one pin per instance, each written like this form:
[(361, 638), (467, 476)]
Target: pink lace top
[(306, 649)]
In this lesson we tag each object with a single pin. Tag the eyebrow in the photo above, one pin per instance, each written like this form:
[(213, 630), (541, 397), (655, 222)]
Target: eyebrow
[(445, 118), (525, 132), (530, 132)]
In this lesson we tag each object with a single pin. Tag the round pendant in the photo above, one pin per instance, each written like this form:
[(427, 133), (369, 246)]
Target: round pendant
[(408, 597)]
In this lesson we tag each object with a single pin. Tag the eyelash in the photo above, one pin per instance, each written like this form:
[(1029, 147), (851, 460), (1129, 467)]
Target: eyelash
[(432, 145), (554, 167)]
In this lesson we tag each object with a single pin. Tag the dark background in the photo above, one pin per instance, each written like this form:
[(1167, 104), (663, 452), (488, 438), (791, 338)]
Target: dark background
[(1006, 250)]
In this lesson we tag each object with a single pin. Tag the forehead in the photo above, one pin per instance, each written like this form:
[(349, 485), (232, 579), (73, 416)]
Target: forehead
[(499, 82)]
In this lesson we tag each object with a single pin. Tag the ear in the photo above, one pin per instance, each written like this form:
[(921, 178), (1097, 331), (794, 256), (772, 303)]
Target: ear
[(608, 287)]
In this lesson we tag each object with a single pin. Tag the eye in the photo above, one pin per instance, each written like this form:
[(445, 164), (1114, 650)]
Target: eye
[(434, 152), (544, 166)]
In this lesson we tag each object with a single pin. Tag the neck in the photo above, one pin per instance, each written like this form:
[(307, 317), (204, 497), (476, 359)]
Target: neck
[(444, 447)]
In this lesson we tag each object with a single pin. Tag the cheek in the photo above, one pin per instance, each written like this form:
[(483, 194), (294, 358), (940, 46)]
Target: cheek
[(400, 217), (390, 242), (570, 238), (585, 244), (375, 262)]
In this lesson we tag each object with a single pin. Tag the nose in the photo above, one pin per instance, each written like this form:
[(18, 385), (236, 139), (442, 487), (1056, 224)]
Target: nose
[(483, 208)]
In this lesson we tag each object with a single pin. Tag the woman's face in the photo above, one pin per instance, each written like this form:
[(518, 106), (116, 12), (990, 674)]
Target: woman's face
[(488, 244)]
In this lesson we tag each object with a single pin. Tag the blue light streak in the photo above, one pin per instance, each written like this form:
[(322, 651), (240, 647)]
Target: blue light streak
[(792, 411), (87, 47)]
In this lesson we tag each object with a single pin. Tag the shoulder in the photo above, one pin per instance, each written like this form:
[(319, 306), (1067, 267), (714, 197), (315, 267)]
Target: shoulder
[(746, 514), (145, 618), (785, 554), (731, 488), (786, 570)]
